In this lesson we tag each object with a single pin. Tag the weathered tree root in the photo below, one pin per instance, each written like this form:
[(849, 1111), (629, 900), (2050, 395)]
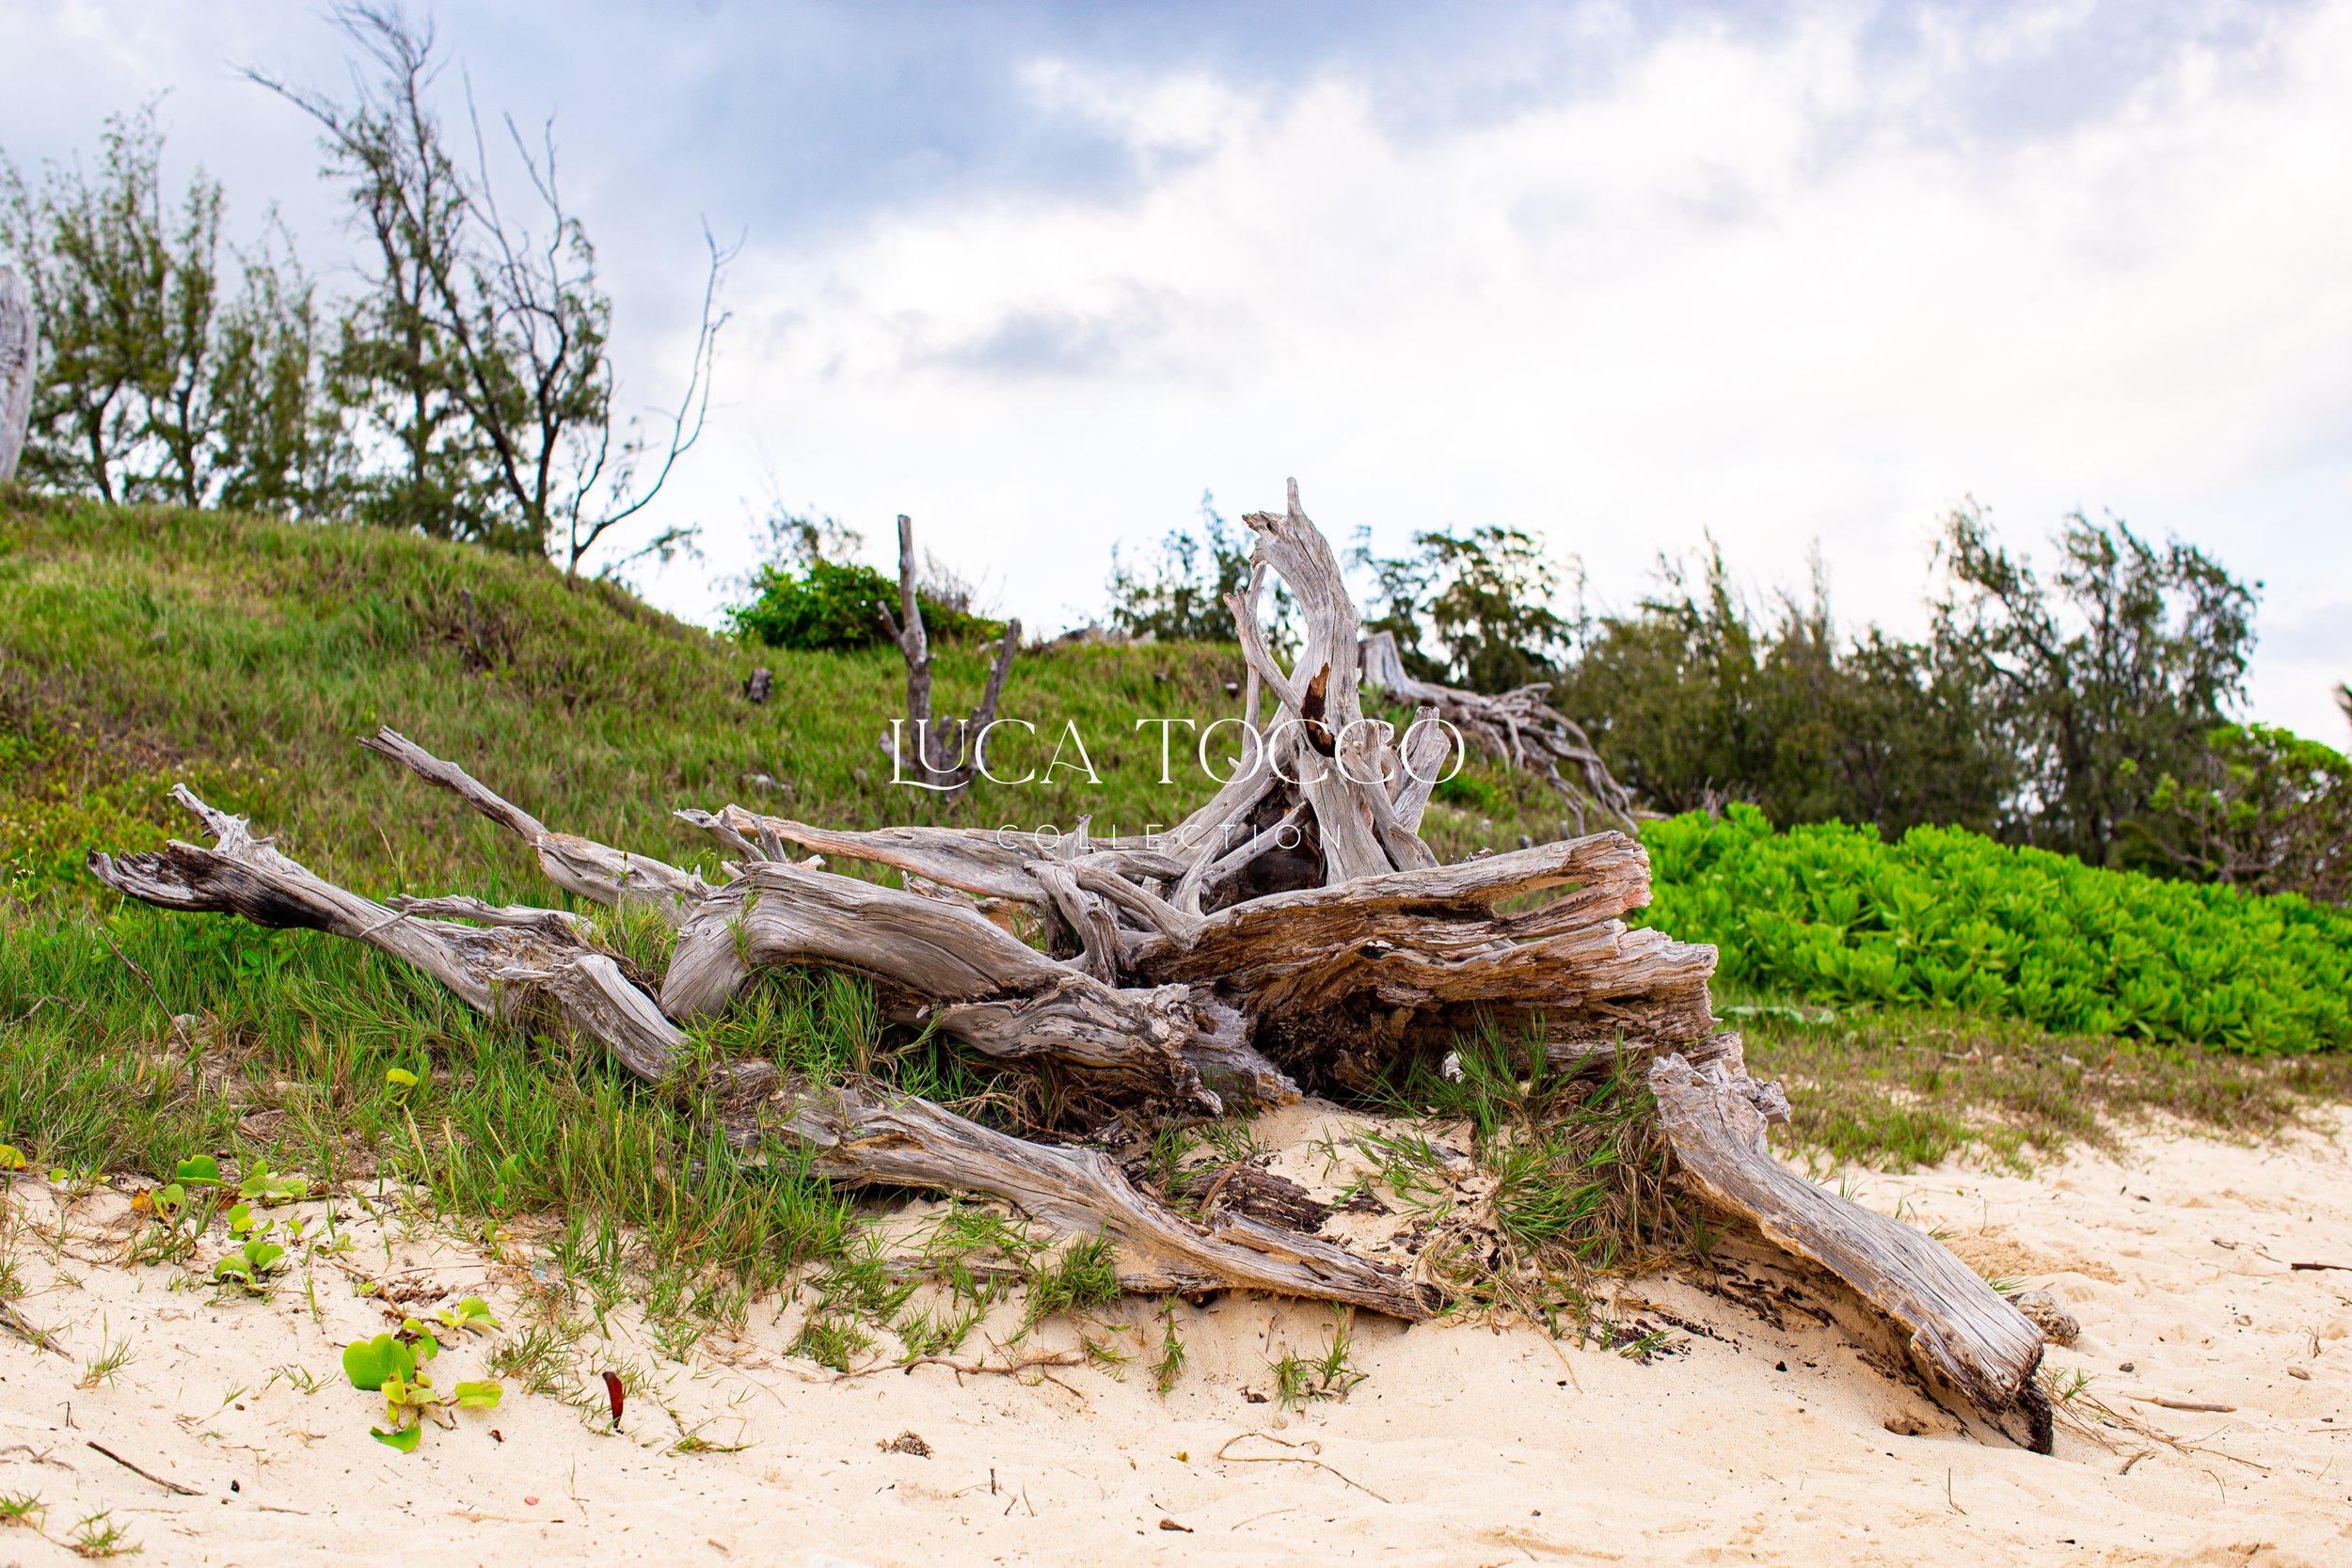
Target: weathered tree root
[(1295, 929), (1518, 726), (864, 1133)]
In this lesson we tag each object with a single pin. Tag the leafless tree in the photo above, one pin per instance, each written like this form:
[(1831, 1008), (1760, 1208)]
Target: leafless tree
[(485, 350)]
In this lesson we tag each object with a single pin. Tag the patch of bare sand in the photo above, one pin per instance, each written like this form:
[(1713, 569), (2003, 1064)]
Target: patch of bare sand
[(1463, 1447)]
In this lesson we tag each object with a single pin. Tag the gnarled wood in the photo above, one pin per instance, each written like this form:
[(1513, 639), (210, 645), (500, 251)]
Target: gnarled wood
[(497, 969), (1955, 1330), (1518, 726), (862, 1134), (980, 984), (910, 1141), (597, 872)]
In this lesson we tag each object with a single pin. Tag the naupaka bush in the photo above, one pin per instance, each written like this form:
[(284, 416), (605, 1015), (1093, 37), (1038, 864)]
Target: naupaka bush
[(1953, 918)]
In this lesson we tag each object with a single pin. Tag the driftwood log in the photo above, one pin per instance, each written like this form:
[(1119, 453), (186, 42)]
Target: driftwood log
[(19, 360), (1294, 932)]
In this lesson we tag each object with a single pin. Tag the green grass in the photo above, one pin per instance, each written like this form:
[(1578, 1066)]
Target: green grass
[(139, 648), (287, 1065), (1576, 1173), (1902, 1087)]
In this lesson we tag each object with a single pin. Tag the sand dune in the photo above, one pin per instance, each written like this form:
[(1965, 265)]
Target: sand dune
[(1462, 1446)]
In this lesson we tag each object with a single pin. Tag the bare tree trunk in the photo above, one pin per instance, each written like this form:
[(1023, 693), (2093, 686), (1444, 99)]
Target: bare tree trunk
[(20, 363), (946, 751), (1889, 1282)]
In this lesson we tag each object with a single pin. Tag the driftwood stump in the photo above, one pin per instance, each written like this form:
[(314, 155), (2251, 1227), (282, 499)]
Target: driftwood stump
[(1294, 932), (939, 755), (19, 362)]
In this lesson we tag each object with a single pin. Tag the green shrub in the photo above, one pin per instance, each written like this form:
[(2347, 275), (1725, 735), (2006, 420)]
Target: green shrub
[(833, 604), (2262, 809), (1954, 918), (1472, 793)]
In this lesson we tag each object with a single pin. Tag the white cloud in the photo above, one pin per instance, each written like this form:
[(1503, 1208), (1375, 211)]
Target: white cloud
[(1779, 288)]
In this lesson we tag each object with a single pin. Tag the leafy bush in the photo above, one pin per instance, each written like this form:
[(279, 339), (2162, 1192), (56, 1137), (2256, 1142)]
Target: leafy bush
[(832, 605), (2263, 810), (1472, 793), (1954, 918)]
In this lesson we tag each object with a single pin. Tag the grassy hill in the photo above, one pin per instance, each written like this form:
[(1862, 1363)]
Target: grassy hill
[(141, 646)]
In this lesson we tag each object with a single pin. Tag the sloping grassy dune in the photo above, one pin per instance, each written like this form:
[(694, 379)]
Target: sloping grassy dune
[(141, 646), (144, 646)]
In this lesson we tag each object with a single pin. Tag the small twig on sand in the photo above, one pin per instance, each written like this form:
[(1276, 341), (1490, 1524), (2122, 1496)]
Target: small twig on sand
[(1055, 1358), (2181, 1404), (2343, 1268), (1284, 1459), (166, 1485)]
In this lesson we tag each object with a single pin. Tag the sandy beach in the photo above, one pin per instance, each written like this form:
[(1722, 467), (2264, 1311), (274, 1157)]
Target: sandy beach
[(1463, 1445)]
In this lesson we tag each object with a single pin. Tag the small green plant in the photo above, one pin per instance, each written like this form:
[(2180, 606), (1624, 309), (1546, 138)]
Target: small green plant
[(201, 1171), (1080, 1277), (395, 1365), (1112, 1358), (1169, 1364), (266, 1186), (96, 1535), (369, 1362), (1298, 1380), (1410, 1165), (830, 1340), (21, 1508), (470, 1313), (936, 1333), (250, 1266), (2068, 1387), (112, 1355)]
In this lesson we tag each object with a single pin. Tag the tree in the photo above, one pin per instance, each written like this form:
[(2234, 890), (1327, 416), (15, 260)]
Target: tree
[(481, 354), (1180, 595), (2260, 809), (1481, 600), (2100, 684), (154, 382), (1697, 699)]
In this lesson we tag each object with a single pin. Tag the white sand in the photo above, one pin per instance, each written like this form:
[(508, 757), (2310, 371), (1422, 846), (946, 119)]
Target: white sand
[(1463, 1447)]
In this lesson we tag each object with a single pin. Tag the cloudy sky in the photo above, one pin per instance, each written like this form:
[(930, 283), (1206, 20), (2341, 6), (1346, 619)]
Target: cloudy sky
[(1622, 275)]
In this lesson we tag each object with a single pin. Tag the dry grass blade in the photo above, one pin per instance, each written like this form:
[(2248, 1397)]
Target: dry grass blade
[(1285, 1459)]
